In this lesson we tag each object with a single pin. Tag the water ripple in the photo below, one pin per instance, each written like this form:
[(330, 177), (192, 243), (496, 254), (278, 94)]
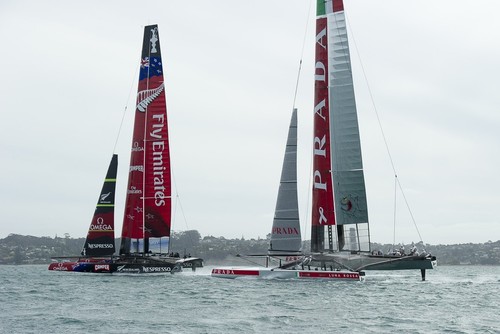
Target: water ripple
[(452, 300)]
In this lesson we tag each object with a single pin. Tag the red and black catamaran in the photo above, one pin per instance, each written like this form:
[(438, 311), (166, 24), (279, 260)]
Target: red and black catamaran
[(146, 223)]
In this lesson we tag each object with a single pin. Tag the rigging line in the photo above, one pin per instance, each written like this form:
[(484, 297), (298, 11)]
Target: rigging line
[(134, 78), (121, 125), (372, 101), (383, 134), (295, 96), (394, 228), (347, 20), (297, 83), (172, 219), (178, 198), (409, 210), (302, 54)]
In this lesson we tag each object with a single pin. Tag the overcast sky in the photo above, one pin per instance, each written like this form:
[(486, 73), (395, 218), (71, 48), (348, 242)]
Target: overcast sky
[(70, 68)]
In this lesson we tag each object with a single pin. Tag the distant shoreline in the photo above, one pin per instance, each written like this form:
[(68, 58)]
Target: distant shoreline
[(21, 249)]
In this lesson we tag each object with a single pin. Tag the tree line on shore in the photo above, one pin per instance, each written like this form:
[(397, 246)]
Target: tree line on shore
[(25, 249)]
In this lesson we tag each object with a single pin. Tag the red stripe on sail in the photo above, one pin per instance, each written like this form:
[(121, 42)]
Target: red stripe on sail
[(322, 200), (338, 5)]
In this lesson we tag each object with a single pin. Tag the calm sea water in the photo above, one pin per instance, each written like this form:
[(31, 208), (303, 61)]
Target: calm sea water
[(452, 300)]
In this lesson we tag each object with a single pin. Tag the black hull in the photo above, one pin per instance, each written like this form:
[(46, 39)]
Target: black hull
[(359, 262), (129, 264), (401, 263), (154, 265), (144, 268)]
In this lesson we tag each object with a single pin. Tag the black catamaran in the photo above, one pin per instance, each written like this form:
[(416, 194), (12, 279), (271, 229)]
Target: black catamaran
[(340, 236), (340, 228), (146, 223)]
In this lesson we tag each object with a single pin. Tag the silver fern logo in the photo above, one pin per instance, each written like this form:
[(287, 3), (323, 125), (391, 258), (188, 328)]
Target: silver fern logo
[(104, 196), (145, 97)]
